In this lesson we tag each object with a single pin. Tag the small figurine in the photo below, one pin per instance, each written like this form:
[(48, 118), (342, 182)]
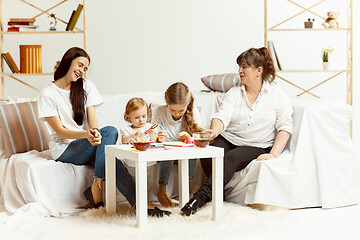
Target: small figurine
[(53, 22), (331, 21)]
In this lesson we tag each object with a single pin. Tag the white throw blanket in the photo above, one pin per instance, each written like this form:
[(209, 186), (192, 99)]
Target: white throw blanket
[(317, 168), (51, 188)]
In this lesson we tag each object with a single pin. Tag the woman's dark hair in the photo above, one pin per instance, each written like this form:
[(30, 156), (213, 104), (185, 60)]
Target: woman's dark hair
[(259, 57), (77, 92)]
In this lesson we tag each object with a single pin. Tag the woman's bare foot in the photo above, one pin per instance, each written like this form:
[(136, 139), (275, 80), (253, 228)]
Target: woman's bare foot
[(163, 198), (96, 189)]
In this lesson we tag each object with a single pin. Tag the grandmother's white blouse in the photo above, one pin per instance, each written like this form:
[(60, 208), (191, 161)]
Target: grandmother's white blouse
[(255, 125)]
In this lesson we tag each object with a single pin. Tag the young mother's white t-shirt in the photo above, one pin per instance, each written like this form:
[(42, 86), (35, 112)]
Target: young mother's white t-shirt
[(54, 101)]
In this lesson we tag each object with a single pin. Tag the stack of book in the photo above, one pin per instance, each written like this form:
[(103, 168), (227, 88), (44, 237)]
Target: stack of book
[(21, 24)]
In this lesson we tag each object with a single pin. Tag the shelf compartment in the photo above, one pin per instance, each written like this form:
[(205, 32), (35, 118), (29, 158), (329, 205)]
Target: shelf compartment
[(312, 70), (308, 29), (25, 74), (42, 32)]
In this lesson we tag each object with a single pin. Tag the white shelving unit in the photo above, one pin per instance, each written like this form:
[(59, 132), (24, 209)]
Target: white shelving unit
[(38, 35), (348, 30)]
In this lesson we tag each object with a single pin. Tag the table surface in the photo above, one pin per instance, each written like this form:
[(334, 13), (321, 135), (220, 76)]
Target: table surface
[(160, 154)]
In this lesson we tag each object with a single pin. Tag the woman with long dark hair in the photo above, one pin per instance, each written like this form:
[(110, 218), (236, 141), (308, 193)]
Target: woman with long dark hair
[(253, 122), (68, 106)]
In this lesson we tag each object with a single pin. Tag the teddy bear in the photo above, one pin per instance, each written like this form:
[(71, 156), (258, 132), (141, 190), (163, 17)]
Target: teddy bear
[(331, 21)]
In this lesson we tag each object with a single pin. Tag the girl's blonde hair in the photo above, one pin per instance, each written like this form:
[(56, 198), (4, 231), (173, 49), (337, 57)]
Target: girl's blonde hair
[(178, 93), (134, 104)]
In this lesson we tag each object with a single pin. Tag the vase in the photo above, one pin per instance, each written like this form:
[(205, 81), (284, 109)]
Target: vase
[(325, 65)]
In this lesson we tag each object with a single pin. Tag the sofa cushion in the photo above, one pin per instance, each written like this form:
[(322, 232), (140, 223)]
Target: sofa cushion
[(221, 82), (21, 130)]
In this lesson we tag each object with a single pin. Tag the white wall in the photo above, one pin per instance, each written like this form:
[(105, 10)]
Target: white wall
[(147, 45)]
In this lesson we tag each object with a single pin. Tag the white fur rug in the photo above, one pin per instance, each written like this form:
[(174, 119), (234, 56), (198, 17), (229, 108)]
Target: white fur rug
[(237, 223)]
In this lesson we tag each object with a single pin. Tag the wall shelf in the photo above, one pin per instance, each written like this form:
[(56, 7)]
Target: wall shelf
[(42, 32), (3, 34), (308, 29), (348, 70), (311, 70), (26, 74)]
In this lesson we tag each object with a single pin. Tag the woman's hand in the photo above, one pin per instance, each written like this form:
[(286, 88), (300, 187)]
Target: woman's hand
[(216, 127), (213, 134), (184, 136), (94, 137), (162, 135), (265, 156)]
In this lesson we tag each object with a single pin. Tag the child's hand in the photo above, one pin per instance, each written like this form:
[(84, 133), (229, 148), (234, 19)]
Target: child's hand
[(162, 135), (184, 136), (139, 134)]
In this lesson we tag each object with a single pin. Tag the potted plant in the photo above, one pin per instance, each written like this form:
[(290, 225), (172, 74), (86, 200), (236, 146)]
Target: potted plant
[(325, 56), (309, 23)]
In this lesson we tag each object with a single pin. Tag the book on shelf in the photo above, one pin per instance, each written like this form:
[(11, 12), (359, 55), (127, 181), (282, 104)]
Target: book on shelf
[(30, 20), (26, 26), (13, 29), (71, 17), (274, 55), (22, 28), (10, 62), (74, 18), (20, 23), (30, 58)]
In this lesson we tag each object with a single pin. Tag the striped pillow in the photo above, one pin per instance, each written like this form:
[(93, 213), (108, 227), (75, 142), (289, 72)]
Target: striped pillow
[(221, 82), (21, 129)]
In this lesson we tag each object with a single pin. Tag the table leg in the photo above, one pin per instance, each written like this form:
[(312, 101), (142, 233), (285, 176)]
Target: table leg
[(141, 194), (183, 172), (217, 187), (110, 183)]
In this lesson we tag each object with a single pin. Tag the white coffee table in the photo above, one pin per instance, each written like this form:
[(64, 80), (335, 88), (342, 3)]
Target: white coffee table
[(142, 157)]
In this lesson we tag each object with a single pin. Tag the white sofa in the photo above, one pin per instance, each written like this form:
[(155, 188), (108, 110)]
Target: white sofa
[(317, 168)]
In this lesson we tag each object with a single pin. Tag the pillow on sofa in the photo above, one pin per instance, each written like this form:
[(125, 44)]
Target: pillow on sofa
[(221, 82), (21, 129)]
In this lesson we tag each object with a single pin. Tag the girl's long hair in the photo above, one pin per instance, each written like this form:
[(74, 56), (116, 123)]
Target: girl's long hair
[(178, 93), (259, 57), (77, 93)]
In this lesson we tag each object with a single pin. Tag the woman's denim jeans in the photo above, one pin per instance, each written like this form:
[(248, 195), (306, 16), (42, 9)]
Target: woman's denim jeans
[(81, 152)]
